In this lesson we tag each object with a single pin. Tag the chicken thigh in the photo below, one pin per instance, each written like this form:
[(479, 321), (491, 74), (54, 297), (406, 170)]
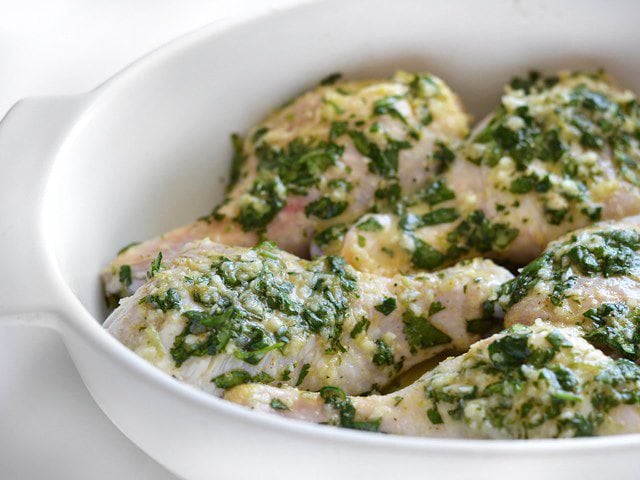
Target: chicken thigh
[(316, 165), (538, 381), (559, 153), (216, 316)]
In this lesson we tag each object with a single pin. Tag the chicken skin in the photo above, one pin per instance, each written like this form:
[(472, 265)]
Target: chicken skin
[(316, 165), (589, 278), (216, 316), (559, 153), (538, 381)]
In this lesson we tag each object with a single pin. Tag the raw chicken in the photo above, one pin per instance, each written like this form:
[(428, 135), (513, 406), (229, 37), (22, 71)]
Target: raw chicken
[(590, 278), (317, 165), (216, 316), (527, 382), (559, 153)]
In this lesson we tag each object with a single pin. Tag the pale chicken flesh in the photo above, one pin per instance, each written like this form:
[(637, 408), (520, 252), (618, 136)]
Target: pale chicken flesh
[(316, 165), (538, 381), (216, 316), (559, 153)]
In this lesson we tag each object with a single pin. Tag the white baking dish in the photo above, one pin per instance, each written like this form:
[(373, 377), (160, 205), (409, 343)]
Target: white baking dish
[(85, 175)]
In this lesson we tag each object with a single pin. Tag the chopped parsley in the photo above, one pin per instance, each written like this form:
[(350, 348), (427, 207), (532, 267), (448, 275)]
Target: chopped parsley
[(444, 156), (304, 371), (516, 387), (125, 275), (411, 221), (388, 106), (555, 147), (383, 354), (232, 379), (240, 293), (437, 192), (156, 264), (487, 322), (359, 327), (325, 208), (614, 328), (278, 404), (421, 333), (330, 234), (477, 233), (169, 301), (338, 400), (434, 416), (426, 257), (261, 205), (369, 225), (382, 161), (387, 306), (609, 253)]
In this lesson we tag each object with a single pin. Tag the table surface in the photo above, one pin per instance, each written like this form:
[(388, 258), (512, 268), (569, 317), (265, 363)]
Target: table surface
[(50, 427)]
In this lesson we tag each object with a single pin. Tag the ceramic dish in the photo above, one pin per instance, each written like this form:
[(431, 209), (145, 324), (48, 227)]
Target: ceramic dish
[(146, 151)]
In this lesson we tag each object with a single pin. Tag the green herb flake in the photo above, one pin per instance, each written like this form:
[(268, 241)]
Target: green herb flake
[(259, 133), (325, 208), (437, 192), (615, 328), (383, 354), (278, 404), (387, 306), (262, 377), (437, 217), (125, 275), (369, 225), (434, 308), (156, 264), (330, 234), (557, 340), (434, 416), (425, 256), (170, 300), (232, 379), (421, 333), (487, 322), (304, 371), (510, 351), (359, 327), (388, 106), (266, 198), (338, 400), (444, 156)]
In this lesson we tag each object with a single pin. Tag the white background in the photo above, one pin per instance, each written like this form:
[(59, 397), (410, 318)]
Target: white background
[(50, 428)]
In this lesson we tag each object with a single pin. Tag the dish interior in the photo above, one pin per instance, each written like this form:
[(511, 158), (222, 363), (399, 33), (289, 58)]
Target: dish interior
[(151, 151)]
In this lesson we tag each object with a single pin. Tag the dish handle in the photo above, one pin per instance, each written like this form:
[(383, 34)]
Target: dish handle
[(30, 136)]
